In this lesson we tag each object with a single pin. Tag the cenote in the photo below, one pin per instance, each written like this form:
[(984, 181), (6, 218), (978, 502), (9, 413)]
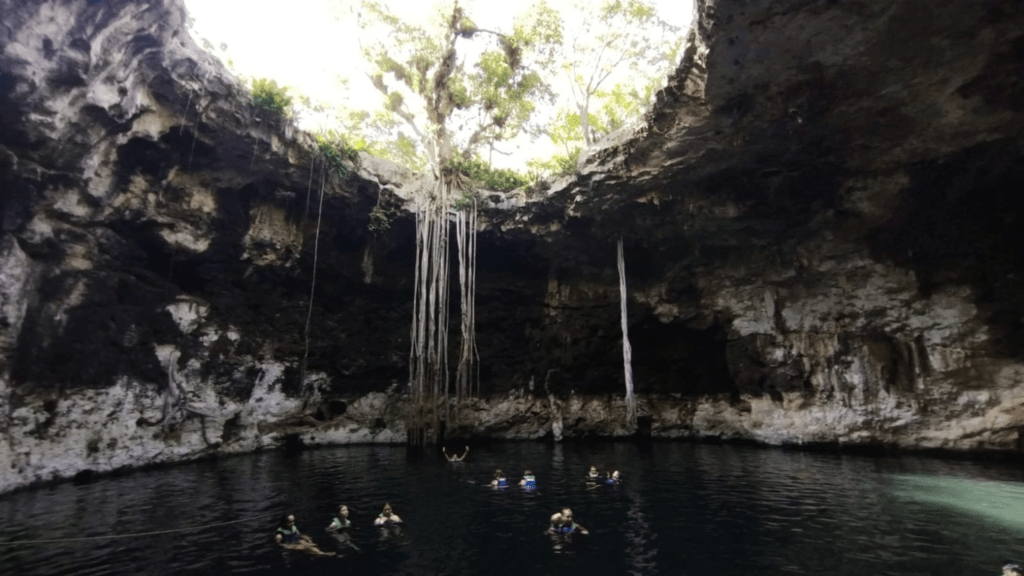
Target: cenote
[(234, 288), (690, 509)]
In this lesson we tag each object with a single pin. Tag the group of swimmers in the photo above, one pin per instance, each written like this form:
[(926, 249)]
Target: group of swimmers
[(288, 535), (562, 523), (529, 481)]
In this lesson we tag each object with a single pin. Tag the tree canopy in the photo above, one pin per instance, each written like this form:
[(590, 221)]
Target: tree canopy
[(621, 36), (459, 88)]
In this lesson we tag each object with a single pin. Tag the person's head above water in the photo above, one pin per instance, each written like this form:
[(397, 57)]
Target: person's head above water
[(615, 474), (387, 509), (343, 511), (1012, 569), (498, 473), (593, 470), (528, 472), (287, 521), (566, 515)]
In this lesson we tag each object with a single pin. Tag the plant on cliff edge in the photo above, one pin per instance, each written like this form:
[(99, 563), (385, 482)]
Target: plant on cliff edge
[(266, 94)]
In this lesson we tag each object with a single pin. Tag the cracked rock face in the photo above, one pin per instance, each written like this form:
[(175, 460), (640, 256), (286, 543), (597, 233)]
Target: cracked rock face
[(821, 217)]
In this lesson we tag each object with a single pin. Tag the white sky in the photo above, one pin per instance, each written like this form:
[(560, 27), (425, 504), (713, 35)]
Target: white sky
[(312, 46)]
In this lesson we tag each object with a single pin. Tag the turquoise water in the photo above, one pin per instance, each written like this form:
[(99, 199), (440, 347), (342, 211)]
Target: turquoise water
[(683, 510)]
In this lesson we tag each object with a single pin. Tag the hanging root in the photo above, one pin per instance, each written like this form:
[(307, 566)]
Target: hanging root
[(627, 351), (465, 233), (176, 407), (428, 356), (312, 289)]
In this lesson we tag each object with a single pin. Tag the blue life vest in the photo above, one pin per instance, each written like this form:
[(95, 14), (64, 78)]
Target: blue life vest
[(502, 482), (611, 481), (531, 482), (564, 529), (289, 536)]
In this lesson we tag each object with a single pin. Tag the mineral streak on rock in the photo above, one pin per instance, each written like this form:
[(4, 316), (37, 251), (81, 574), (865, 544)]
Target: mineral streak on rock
[(821, 211)]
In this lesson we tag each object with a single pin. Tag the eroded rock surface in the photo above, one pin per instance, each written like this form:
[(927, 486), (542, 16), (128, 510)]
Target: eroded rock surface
[(821, 217)]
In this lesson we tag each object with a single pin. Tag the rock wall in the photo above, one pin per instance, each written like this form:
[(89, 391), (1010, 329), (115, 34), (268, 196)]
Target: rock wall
[(819, 216)]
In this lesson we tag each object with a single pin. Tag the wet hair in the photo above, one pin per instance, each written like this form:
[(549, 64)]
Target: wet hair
[(528, 472), (284, 521), (498, 473)]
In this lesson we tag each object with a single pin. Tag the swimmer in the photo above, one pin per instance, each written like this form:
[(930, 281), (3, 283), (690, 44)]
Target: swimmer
[(453, 457), (1012, 569), (500, 481), (288, 536), (341, 521), (562, 524), (339, 528), (387, 517), (613, 478), (529, 481), (593, 474)]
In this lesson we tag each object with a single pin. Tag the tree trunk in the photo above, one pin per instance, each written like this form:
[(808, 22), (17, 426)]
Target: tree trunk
[(585, 122)]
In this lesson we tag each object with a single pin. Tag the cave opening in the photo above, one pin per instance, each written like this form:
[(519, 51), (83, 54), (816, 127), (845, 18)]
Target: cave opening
[(676, 358)]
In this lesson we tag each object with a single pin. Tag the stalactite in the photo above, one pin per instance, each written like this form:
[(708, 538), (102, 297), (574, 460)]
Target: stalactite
[(627, 351)]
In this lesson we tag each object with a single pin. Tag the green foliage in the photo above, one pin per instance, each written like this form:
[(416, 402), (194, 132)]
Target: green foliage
[(618, 35), (465, 200), (380, 220), (456, 101), (379, 134), (618, 105), (268, 95), (336, 149), (559, 164), (483, 175)]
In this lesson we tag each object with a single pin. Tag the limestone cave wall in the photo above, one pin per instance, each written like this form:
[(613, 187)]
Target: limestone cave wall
[(820, 215)]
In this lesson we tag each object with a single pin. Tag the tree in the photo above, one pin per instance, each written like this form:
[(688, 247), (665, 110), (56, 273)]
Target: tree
[(620, 33), (454, 108)]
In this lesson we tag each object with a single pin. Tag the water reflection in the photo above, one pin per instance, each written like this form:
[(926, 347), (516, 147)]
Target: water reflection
[(999, 503), (638, 534)]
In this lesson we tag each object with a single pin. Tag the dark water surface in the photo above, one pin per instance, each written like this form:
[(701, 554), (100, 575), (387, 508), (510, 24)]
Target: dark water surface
[(684, 509)]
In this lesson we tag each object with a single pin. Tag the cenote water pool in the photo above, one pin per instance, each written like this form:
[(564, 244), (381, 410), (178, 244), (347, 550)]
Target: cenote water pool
[(684, 509)]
